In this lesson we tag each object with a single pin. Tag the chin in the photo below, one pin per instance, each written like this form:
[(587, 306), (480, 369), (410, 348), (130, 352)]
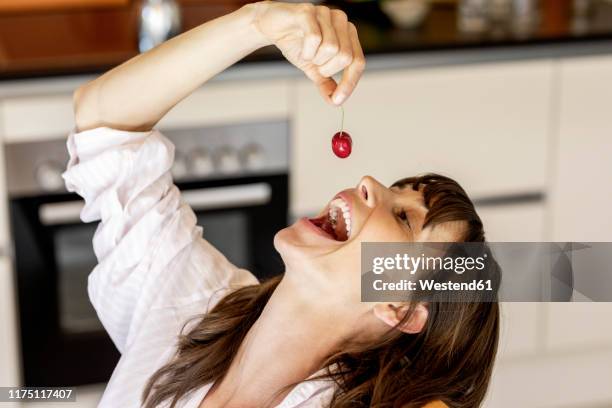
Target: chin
[(296, 243), (282, 239)]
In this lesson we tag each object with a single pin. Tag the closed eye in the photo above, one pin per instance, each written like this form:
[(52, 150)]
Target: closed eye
[(403, 217)]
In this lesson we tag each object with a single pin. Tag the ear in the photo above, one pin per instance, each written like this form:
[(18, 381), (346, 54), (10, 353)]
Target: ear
[(392, 314)]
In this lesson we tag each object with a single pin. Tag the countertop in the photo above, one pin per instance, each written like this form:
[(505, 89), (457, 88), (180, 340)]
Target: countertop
[(88, 41)]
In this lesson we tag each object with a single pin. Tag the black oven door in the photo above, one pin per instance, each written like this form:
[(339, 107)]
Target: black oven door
[(63, 342)]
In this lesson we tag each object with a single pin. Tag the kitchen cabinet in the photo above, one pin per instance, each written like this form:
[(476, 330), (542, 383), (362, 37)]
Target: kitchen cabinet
[(578, 326), (37, 117), (4, 222), (47, 116), (521, 222), (571, 380), (485, 125), (9, 352), (582, 187), (581, 192), (520, 322), (220, 103), (519, 329)]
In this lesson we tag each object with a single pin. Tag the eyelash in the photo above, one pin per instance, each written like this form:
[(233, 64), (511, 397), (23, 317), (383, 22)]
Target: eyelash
[(404, 218)]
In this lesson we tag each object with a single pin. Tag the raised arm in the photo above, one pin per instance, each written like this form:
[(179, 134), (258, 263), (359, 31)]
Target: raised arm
[(137, 94)]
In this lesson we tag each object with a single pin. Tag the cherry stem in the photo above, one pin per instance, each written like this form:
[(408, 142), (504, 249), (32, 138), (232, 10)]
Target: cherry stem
[(342, 121)]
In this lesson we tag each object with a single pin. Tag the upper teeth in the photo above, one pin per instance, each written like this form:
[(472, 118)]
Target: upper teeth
[(340, 204)]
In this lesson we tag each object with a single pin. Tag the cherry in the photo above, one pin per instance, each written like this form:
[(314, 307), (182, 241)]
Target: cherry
[(342, 144)]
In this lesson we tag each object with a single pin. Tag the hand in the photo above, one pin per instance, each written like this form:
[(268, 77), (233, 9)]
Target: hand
[(319, 41)]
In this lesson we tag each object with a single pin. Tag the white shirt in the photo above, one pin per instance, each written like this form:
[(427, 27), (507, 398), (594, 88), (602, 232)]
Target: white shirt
[(155, 270)]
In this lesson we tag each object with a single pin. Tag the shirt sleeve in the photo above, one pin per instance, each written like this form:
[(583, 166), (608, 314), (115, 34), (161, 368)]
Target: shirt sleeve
[(151, 254)]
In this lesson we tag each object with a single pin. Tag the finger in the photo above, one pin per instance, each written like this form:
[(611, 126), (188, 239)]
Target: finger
[(307, 19), (352, 73), (326, 86), (329, 44), (344, 57)]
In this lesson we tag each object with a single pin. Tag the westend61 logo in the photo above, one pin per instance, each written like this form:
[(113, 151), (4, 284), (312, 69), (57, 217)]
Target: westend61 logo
[(412, 264)]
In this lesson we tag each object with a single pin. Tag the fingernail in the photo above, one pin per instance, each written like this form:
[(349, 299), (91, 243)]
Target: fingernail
[(339, 98)]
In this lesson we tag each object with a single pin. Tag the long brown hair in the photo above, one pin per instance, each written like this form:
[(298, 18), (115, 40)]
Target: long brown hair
[(451, 360)]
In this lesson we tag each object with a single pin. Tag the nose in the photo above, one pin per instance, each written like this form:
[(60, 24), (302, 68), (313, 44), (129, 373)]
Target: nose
[(370, 191)]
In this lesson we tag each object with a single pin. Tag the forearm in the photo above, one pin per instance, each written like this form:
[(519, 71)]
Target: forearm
[(138, 93)]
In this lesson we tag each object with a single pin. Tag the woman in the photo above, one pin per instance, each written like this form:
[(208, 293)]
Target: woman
[(303, 339)]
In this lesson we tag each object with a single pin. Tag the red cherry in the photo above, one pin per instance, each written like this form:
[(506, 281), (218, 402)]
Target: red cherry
[(342, 145)]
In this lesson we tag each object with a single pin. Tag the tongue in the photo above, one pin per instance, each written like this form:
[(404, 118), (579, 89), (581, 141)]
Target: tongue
[(324, 223), (337, 231)]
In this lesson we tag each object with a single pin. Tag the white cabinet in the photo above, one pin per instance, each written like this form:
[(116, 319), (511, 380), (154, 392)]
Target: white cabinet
[(220, 103), (485, 125), (581, 194), (9, 351), (523, 222), (519, 329), (520, 322), (564, 380), (4, 222), (579, 326), (50, 116), (31, 118)]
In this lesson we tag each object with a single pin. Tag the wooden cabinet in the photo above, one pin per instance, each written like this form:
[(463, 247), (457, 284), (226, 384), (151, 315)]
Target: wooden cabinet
[(485, 125)]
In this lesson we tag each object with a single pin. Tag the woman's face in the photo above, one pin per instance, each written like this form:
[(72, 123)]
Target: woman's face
[(329, 246)]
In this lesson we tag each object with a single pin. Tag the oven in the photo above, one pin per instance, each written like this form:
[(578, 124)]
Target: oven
[(236, 180)]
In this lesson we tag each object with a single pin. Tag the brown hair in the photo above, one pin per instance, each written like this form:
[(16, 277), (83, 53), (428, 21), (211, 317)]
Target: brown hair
[(451, 360)]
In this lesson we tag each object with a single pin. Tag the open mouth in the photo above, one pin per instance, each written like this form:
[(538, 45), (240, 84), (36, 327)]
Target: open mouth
[(336, 223)]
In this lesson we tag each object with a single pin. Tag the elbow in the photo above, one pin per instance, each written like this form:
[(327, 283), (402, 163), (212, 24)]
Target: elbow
[(84, 107)]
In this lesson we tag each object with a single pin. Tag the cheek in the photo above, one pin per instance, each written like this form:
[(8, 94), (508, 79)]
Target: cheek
[(381, 228)]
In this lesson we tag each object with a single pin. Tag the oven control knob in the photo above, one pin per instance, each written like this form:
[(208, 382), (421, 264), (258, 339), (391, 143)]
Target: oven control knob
[(253, 156), (49, 176), (179, 168), (201, 163), (227, 160)]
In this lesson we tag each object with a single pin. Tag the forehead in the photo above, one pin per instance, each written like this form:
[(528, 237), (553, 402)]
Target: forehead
[(408, 196)]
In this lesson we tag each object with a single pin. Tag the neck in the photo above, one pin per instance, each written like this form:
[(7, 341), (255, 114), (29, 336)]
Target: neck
[(289, 342)]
